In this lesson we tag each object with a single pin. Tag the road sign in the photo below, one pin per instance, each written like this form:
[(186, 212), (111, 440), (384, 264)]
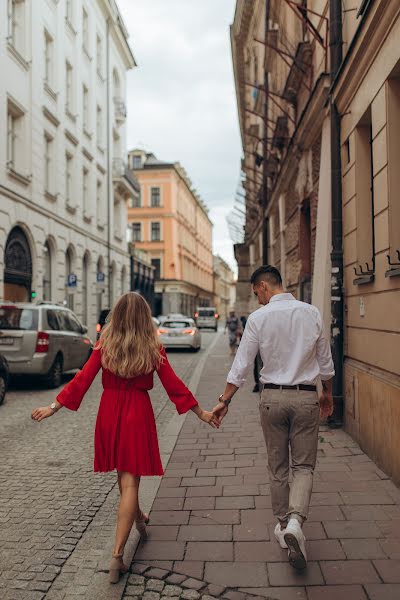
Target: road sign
[(100, 280), (72, 280)]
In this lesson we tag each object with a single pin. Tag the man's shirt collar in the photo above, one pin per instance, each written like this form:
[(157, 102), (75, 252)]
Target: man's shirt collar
[(283, 296)]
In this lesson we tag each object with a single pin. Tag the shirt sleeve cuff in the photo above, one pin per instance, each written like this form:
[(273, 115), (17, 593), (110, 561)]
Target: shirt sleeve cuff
[(327, 376)]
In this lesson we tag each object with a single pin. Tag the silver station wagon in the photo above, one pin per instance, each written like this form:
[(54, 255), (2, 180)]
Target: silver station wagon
[(43, 339), (180, 333)]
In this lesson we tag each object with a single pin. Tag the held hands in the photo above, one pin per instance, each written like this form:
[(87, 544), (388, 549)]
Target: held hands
[(209, 417), (219, 412), (42, 413), (325, 404)]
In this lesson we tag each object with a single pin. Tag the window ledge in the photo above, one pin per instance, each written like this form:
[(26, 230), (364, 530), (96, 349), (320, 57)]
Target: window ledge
[(48, 89), (70, 208), (100, 76), (18, 56), (394, 272), (100, 225), (363, 280), (87, 218), (86, 52), (87, 133), (24, 179), (50, 196), (70, 115), (101, 149)]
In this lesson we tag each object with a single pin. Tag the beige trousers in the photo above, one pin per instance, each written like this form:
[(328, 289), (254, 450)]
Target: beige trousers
[(290, 419)]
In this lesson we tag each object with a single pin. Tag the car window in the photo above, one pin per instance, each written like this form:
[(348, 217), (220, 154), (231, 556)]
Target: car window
[(13, 317), (63, 318), (52, 320), (176, 324), (74, 323), (206, 313)]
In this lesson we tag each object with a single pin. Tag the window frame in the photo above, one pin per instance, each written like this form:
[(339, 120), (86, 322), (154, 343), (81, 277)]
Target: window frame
[(151, 231), (139, 230), (155, 187)]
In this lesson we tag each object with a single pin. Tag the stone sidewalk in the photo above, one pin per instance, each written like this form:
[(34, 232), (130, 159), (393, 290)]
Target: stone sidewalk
[(211, 532)]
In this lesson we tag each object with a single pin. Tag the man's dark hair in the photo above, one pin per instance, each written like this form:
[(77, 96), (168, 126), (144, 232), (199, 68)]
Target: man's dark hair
[(267, 273)]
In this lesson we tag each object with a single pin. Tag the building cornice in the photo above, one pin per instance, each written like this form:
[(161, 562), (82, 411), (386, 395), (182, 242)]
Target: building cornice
[(118, 31), (366, 44)]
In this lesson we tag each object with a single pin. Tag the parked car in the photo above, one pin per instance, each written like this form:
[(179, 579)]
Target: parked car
[(206, 317), (101, 321), (180, 333), (44, 339), (4, 378), (156, 322)]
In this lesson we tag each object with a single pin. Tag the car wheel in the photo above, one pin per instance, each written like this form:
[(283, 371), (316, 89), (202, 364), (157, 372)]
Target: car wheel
[(3, 388), (53, 378), (197, 349)]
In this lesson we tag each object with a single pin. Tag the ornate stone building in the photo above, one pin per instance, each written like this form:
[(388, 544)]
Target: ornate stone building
[(63, 181), (224, 288)]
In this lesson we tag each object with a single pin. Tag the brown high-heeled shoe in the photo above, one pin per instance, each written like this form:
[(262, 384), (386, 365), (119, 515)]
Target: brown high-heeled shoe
[(116, 568), (141, 523)]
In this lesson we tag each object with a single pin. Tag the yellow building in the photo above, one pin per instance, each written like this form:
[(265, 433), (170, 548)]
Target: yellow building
[(171, 223), (224, 288), (367, 95)]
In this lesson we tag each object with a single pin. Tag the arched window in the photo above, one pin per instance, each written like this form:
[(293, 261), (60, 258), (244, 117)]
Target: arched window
[(17, 267), (47, 265)]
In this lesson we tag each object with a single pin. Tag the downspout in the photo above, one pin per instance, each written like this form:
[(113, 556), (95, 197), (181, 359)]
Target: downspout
[(265, 198), (108, 166), (337, 304)]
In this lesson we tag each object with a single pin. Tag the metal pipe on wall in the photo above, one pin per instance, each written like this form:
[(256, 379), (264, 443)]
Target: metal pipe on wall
[(265, 226)]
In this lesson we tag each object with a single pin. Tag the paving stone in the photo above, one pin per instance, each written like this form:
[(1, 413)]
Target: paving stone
[(349, 572), (175, 579), (235, 595), (215, 590), (157, 573), (351, 529), (259, 552), (205, 533), (190, 595), (282, 574), (337, 592), (193, 584), (324, 550), (137, 579), (219, 517), (227, 573), (172, 590), (389, 570), (155, 585), (382, 591), (160, 550), (139, 568), (151, 596), (163, 517), (135, 590), (235, 502), (281, 593), (361, 549), (191, 568)]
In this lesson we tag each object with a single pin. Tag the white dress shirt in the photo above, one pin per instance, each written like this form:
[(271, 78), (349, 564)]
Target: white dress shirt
[(289, 336)]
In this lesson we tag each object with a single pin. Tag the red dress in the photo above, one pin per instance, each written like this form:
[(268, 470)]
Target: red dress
[(126, 435)]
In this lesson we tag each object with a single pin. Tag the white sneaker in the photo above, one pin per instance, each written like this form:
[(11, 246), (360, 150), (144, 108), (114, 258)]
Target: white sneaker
[(279, 533), (295, 540)]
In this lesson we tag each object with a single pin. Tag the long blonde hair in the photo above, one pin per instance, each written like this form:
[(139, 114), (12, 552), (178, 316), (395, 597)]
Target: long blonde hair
[(129, 340)]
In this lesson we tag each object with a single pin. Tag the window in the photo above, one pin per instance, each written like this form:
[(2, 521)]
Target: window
[(14, 136), (46, 282), (85, 107), (99, 126), (156, 263), (69, 11), (85, 30), (48, 59), (155, 197), (48, 164), (136, 162), (85, 192), (68, 178), (393, 128), (16, 24), (305, 252), (136, 232), (136, 201), (99, 55), (69, 90), (99, 203), (156, 232), (85, 287), (364, 196), (52, 320)]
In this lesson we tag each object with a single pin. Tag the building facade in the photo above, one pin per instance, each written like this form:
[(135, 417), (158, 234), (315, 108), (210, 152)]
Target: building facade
[(142, 275), (367, 94), (171, 223), (224, 288), (63, 183)]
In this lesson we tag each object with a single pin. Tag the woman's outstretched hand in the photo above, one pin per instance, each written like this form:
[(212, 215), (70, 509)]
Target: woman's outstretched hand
[(42, 413), (210, 418)]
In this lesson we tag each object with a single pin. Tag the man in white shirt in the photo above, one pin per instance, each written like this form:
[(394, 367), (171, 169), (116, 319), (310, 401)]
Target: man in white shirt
[(295, 353)]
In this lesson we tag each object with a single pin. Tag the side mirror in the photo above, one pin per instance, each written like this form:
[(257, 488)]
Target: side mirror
[(84, 329)]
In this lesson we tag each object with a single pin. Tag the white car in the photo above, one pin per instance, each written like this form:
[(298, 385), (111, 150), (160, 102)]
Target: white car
[(180, 333)]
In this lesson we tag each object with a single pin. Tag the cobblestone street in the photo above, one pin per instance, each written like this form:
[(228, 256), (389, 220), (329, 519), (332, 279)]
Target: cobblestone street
[(211, 531), (49, 495)]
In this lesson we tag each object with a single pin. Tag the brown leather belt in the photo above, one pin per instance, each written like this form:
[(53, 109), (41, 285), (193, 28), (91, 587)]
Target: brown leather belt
[(301, 386)]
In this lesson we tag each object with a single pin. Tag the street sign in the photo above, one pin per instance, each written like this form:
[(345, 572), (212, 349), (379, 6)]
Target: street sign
[(72, 280), (100, 280)]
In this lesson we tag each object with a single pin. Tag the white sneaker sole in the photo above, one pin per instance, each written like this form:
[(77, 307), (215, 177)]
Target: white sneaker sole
[(296, 557)]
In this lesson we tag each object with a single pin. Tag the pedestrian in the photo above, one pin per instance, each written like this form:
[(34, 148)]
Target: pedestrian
[(232, 326), (128, 352), (294, 352)]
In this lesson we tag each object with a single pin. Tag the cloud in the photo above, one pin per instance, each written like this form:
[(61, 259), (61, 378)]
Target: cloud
[(181, 98)]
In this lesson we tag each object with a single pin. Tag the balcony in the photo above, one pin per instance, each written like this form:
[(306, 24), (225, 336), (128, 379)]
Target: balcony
[(118, 168), (119, 110)]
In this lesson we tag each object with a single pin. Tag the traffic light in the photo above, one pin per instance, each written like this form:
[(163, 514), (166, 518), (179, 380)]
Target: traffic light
[(33, 294)]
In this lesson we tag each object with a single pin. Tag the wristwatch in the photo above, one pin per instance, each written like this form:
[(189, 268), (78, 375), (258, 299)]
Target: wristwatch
[(226, 402), (53, 407)]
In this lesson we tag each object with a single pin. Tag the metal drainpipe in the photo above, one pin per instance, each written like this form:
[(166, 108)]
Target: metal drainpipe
[(108, 167), (265, 153), (337, 304)]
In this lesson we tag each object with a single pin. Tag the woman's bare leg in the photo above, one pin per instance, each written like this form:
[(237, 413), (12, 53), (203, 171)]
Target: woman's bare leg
[(128, 507)]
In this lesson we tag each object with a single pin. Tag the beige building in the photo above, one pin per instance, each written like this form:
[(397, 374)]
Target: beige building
[(224, 287), (321, 154), (63, 184), (367, 94), (171, 223)]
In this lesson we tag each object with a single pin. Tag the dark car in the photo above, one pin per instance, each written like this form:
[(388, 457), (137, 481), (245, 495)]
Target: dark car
[(4, 378), (101, 321)]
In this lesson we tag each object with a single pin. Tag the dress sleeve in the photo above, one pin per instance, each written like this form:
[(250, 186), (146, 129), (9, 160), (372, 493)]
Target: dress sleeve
[(72, 394), (177, 391)]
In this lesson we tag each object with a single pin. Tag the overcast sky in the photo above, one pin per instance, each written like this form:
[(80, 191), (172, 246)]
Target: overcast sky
[(181, 98)]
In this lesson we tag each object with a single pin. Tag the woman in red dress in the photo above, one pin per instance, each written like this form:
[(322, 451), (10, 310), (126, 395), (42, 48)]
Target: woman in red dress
[(128, 353)]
